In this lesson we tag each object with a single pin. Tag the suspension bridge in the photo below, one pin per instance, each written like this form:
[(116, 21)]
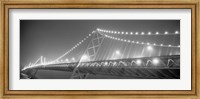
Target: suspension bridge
[(92, 61)]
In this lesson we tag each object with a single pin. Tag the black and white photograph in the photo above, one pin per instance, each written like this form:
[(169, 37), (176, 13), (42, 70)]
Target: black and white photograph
[(99, 49)]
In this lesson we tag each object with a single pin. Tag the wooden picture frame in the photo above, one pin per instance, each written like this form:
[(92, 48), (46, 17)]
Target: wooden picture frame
[(6, 5)]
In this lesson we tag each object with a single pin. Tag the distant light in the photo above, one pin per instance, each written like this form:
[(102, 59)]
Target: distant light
[(149, 33), (169, 45), (137, 42), (132, 41), (122, 32), (73, 59), (142, 42), (178, 45), (126, 32), (106, 63), (136, 33), (131, 33), (142, 33), (155, 61), (148, 43), (115, 32), (138, 62), (166, 32), (117, 52), (84, 57), (161, 44), (149, 48), (176, 32), (157, 33)]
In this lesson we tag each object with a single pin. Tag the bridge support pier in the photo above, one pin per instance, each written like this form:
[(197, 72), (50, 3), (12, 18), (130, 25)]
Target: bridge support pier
[(31, 73), (78, 75)]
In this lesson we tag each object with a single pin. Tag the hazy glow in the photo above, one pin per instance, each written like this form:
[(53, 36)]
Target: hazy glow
[(85, 58), (155, 61), (138, 62), (149, 48), (117, 52)]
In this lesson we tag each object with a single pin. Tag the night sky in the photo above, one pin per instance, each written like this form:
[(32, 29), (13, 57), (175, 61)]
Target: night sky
[(52, 38)]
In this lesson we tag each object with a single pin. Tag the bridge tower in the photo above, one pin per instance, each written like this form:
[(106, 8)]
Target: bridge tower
[(91, 52)]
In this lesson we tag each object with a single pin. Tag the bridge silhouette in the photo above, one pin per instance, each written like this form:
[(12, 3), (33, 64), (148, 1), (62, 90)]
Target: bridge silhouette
[(148, 67)]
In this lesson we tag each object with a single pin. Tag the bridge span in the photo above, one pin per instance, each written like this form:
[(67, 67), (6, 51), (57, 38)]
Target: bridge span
[(158, 67)]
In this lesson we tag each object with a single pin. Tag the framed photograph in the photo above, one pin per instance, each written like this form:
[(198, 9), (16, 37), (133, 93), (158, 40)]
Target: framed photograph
[(104, 48)]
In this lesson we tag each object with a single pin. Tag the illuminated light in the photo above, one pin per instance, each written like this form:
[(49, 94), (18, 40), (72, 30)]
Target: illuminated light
[(149, 33), (121, 39), (115, 38), (166, 32), (157, 33), (138, 62), (117, 52), (137, 42), (149, 48), (115, 32), (124, 40), (155, 61), (131, 33), (73, 59), (122, 32), (136, 33), (118, 38), (126, 32), (112, 32), (89, 34), (118, 32), (106, 63), (169, 45), (176, 32), (161, 44), (132, 41), (142, 33), (84, 57), (129, 41), (154, 44)]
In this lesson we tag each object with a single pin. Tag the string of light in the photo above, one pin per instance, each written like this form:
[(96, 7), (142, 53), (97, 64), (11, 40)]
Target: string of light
[(141, 43), (136, 33), (75, 46)]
